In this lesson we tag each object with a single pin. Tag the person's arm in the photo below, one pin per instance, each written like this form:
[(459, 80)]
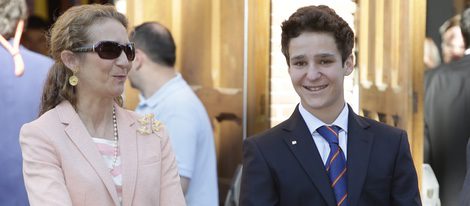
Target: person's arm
[(405, 190), (170, 192), (183, 135), (464, 197), (257, 185), (43, 176)]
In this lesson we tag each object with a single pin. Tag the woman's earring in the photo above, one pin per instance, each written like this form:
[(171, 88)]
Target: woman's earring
[(73, 80)]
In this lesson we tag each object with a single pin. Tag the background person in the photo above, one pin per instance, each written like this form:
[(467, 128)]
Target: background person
[(431, 56), (452, 41), (447, 117), (19, 100), (164, 93)]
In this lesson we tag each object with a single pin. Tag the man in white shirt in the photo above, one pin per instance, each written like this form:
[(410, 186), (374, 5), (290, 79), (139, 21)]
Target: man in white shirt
[(166, 94)]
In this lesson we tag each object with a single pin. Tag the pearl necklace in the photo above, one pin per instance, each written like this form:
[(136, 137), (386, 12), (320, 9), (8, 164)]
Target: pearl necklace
[(116, 137)]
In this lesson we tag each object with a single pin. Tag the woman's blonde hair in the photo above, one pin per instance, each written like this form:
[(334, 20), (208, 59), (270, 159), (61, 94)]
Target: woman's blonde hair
[(68, 32)]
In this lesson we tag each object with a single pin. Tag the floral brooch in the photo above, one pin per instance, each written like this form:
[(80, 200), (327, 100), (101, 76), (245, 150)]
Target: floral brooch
[(148, 125)]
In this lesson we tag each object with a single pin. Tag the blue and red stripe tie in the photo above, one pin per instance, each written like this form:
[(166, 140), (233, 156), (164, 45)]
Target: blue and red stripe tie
[(336, 164)]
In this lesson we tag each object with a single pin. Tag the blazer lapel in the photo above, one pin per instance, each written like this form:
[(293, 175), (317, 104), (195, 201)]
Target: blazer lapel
[(304, 149), (79, 135), (128, 144), (359, 148)]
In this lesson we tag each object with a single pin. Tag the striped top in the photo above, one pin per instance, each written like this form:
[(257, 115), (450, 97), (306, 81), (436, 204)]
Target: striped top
[(106, 149)]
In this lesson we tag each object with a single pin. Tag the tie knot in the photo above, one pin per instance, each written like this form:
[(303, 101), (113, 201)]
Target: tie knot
[(330, 133)]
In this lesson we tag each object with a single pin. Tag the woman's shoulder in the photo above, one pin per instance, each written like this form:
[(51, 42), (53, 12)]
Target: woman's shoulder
[(46, 118), (42, 127), (130, 115), (55, 119)]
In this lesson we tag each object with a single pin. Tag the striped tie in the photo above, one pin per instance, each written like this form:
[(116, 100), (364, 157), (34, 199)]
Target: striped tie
[(336, 164)]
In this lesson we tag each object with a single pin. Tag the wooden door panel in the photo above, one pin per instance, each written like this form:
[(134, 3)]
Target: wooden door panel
[(390, 42)]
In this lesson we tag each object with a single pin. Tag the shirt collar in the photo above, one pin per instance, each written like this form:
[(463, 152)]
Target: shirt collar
[(167, 89), (313, 123)]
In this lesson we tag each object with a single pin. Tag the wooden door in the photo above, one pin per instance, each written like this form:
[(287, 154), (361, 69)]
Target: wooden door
[(390, 64)]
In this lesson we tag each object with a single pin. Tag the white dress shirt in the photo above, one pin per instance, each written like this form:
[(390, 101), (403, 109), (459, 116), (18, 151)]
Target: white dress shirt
[(313, 123)]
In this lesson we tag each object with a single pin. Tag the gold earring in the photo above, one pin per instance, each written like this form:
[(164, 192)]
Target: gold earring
[(73, 80)]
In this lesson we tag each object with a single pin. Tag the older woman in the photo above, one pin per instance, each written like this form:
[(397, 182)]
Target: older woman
[(85, 149)]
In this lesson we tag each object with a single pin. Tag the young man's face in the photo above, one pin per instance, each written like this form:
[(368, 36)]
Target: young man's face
[(317, 72)]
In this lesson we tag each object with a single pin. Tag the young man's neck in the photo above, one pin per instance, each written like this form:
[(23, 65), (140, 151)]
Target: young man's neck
[(329, 114)]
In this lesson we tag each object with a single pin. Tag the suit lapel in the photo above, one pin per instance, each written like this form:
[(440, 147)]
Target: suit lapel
[(359, 148), (303, 147), (79, 135), (128, 144)]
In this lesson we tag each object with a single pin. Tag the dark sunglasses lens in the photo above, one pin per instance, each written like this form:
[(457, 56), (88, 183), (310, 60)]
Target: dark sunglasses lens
[(108, 50), (130, 51)]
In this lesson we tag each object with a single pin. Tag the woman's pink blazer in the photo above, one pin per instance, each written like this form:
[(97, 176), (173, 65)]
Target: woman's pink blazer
[(62, 165)]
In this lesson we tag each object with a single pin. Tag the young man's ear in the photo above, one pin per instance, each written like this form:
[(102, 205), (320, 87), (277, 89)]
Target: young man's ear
[(349, 65), (70, 60)]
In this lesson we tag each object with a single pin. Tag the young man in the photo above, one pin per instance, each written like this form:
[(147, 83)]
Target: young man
[(166, 94), (325, 154)]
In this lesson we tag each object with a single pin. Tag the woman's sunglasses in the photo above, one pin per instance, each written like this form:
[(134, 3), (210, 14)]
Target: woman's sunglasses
[(109, 50)]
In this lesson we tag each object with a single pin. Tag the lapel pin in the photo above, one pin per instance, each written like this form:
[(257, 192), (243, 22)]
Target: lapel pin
[(294, 142)]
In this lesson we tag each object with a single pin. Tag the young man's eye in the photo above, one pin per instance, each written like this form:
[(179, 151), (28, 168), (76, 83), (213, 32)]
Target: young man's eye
[(325, 61), (300, 63)]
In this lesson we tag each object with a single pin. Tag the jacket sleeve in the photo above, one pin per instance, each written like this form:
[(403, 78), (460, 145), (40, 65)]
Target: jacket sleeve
[(171, 192), (257, 186), (464, 197), (427, 145), (42, 171), (405, 190)]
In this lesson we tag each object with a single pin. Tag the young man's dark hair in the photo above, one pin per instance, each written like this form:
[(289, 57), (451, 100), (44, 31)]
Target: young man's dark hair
[(156, 41), (318, 19)]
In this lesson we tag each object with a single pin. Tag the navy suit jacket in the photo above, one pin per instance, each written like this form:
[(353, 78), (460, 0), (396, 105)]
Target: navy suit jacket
[(278, 172)]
